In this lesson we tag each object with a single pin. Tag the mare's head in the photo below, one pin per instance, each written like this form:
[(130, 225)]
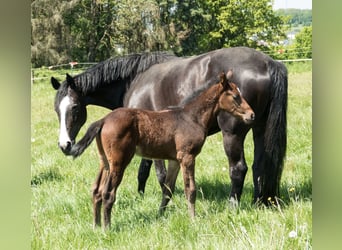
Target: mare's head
[(71, 111), (232, 101)]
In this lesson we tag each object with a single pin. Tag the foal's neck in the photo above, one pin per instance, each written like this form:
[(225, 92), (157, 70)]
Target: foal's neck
[(205, 108)]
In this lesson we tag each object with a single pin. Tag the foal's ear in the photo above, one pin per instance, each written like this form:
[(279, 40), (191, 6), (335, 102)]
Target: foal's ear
[(70, 81), (55, 83), (223, 79), (229, 75)]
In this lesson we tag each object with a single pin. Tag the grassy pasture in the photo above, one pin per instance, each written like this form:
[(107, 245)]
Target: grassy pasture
[(61, 211)]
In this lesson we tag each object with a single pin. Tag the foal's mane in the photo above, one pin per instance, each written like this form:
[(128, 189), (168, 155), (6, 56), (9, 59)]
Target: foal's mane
[(118, 68), (197, 92)]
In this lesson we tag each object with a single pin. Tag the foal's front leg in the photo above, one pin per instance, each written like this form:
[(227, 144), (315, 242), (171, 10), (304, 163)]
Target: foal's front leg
[(188, 169)]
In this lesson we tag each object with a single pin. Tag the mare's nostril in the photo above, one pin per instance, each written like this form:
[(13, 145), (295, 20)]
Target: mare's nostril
[(65, 147)]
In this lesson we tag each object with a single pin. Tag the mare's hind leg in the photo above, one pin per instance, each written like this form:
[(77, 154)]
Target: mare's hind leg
[(160, 171), (261, 159), (144, 172), (169, 185)]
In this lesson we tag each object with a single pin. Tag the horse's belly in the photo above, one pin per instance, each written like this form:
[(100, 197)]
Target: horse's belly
[(153, 152)]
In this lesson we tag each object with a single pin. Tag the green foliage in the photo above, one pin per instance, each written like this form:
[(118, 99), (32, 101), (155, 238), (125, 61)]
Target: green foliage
[(246, 23), (303, 43), (89, 30), (61, 211), (297, 17)]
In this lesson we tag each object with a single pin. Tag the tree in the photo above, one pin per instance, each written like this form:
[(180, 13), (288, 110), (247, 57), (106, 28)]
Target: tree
[(247, 23), (303, 43), (137, 26), (94, 30), (213, 24), (48, 42)]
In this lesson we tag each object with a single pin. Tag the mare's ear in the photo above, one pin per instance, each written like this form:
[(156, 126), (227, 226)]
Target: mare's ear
[(70, 81), (55, 83)]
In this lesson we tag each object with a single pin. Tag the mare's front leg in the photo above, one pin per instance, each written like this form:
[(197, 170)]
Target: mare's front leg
[(169, 184), (188, 169), (234, 134)]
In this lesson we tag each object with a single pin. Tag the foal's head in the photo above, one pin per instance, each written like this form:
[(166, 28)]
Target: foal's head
[(232, 101)]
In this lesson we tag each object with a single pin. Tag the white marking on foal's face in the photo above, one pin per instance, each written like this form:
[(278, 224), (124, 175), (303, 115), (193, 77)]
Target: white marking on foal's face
[(63, 133)]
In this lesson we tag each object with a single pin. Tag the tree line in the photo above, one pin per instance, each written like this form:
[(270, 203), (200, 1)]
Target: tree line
[(94, 30), (297, 17)]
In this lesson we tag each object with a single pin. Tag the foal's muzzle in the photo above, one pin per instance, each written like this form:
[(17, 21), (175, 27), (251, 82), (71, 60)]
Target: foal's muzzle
[(249, 117)]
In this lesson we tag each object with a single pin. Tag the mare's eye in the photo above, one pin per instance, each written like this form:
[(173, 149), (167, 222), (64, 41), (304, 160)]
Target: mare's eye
[(74, 107)]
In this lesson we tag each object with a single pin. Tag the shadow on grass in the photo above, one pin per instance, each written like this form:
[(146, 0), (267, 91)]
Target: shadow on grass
[(48, 175), (207, 189), (216, 190)]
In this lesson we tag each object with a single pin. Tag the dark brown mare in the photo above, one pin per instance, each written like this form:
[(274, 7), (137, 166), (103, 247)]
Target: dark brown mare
[(155, 81), (176, 134)]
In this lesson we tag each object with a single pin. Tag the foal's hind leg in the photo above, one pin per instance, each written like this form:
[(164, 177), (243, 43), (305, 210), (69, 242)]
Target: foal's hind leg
[(109, 193), (97, 197), (98, 185), (118, 160)]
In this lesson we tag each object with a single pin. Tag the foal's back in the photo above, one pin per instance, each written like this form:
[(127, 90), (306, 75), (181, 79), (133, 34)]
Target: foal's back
[(155, 135)]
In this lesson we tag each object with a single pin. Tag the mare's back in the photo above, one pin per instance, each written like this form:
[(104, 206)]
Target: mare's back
[(168, 83)]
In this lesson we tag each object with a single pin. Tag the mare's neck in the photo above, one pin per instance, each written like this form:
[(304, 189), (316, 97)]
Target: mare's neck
[(109, 96)]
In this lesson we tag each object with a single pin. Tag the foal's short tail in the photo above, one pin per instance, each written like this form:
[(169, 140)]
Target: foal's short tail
[(275, 133), (93, 130)]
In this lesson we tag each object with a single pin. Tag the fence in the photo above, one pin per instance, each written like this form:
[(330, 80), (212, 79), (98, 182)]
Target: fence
[(75, 66)]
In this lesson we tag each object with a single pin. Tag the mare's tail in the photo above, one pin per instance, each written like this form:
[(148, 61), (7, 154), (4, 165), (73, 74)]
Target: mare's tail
[(275, 131), (93, 130)]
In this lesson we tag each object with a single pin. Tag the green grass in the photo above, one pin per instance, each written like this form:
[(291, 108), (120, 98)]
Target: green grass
[(61, 211)]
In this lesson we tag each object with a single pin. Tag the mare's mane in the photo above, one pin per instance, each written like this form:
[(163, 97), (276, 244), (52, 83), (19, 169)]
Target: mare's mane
[(121, 68)]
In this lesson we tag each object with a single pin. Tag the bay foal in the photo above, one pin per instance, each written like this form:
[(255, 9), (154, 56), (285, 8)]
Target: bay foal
[(176, 134)]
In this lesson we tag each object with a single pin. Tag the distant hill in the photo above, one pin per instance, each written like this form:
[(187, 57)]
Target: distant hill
[(297, 17)]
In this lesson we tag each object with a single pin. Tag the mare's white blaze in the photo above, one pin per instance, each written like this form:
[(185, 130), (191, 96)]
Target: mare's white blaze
[(63, 133)]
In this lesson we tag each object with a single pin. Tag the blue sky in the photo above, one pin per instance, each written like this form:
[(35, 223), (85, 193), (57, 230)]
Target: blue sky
[(296, 4)]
